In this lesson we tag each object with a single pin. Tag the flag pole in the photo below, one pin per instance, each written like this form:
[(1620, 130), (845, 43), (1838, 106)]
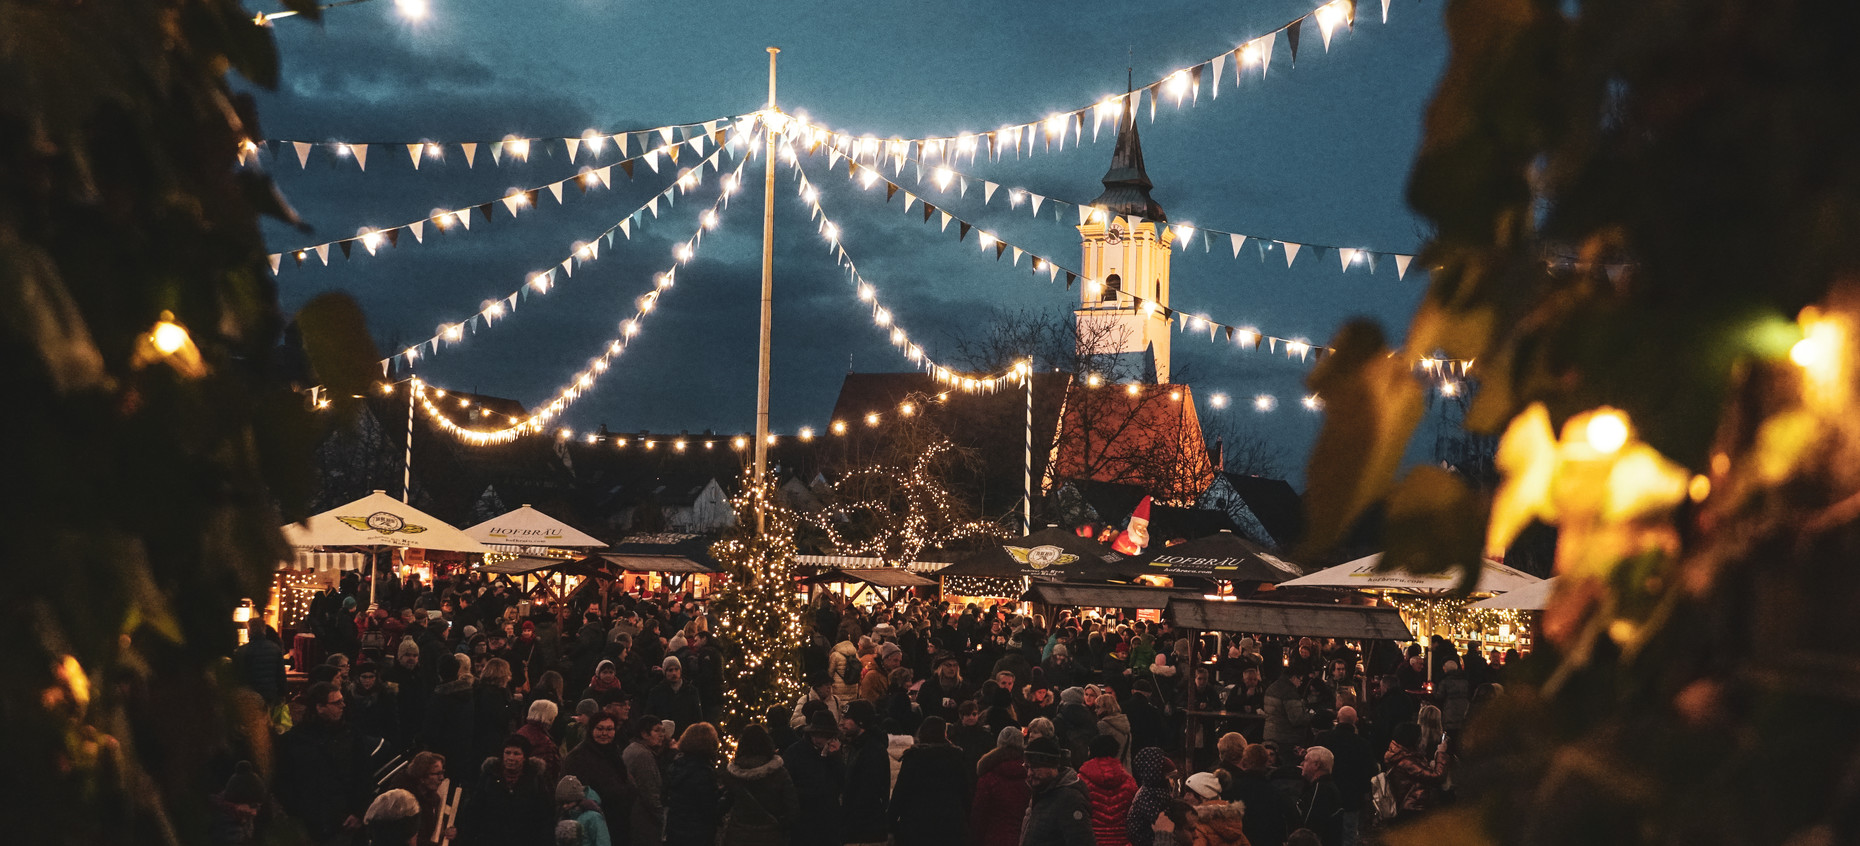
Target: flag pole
[(768, 291)]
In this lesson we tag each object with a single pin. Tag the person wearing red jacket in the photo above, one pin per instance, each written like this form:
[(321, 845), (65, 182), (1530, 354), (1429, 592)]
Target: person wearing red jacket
[(1112, 789), (1001, 793)]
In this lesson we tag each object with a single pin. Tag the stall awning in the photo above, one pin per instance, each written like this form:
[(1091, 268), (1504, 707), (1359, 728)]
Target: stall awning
[(1105, 596), (308, 561), (658, 563), (1048, 554), (885, 577), (865, 562), (663, 553), (523, 565), (1356, 622)]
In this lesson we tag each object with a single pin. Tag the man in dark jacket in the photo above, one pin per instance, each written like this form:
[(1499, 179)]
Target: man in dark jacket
[(260, 662), (323, 768), (868, 775), (674, 698), (943, 694), (451, 719), (930, 803), (1394, 707), (816, 766), (1147, 726), (1354, 766), (708, 674), (1061, 811), (1288, 720), (1319, 806)]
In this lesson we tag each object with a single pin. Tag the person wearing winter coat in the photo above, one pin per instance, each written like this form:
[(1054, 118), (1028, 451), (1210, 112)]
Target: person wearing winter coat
[(374, 707), (510, 805), (693, 798), (819, 773), (1217, 823), (1076, 724), (494, 710), (1001, 793), (675, 698), (1112, 789), (1320, 806), (576, 803), (645, 818), (1287, 719), (943, 694), (412, 688), (844, 670), (323, 767), (1114, 723), (1151, 768), (1059, 813), (930, 803), (1414, 779), (762, 798), (1147, 725), (598, 763), (868, 776), (1269, 812), (450, 718), (604, 687), (260, 663), (970, 734), (537, 731)]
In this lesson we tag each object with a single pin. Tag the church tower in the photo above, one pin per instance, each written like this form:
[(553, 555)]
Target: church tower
[(1126, 253)]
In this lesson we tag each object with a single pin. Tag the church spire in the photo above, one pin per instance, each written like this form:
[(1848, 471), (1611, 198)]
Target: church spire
[(1126, 185)]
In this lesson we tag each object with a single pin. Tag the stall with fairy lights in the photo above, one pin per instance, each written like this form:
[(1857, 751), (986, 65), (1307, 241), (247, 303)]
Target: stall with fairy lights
[(1433, 604), (869, 585), (681, 563), (1004, 571), (377, 524), (1102, 600)]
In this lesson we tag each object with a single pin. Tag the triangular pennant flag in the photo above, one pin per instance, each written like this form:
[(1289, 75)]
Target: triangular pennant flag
[(1084, 214), (1271, 40), (1052, 271), (497, 152), (513, 202), (1272, 344), (605, 175), (1230, 331), (1263, 246), (1345, 255), (928, 211), (568, 267), (653, 205), (962, 229), (672, 153), (574, 146), (1385, 11), (1000, 247), (1037, 199), (652, 160), (890, 189), (1291, 251), (1239, 55), (1151, 90), (665, 132), (419, 230), (962, 189), (1130, 222), (413, 152), (486, 211), (471, 153), (944, 227), (610, 237), (1017, 252), (697, 144), (628, 167), (910, 198), (626, 228), (393, 236), (361, 155), (1239, 241), (1070, 278), (620, 144), (1373, 259), (988, 191), (1291, 38), (1214, 93), (555, 190), (345, 245), (276, 259), (1194, 84), (303, 154), (1401, 266)]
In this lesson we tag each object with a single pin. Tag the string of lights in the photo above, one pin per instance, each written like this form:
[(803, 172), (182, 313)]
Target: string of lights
[(945, 178), (541, 282), (513, 200), (413, 10), (584, 381), (1180, 85)]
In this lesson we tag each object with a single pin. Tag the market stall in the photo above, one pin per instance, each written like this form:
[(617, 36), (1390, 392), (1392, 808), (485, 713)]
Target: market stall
[(374, 524), (1094, 600), (873, 584), (1222, 558), (1433, 604), (678, 562), (531, 532), (1005, 570)]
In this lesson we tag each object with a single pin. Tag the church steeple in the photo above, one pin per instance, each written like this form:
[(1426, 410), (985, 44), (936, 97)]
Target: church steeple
[(1126, 185)]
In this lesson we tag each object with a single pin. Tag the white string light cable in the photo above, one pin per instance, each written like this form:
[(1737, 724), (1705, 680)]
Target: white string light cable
[(413, 10), (584, 381), (943, 178), (1179, 85), (516, 148), (581, 253), (513, 200)]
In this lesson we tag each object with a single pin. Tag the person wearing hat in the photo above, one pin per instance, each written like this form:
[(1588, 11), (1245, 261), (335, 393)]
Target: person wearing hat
[(237, 809), (1217, 822), (1152, 769), (1060, 812), (868, 775), (1001, 792), (675, 698), (509, 802), (930, 802), (575, 802), (819, 773), (945, 691)]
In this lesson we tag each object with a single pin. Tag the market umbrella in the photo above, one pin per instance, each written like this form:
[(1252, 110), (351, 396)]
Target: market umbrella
[(1362, 574), (1528, 598), (1051, 553), (528, 527), (1223, 556), (380, 520)]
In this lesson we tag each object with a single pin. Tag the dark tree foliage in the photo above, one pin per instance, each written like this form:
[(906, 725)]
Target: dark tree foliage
[(1644, 216), (142, 469)]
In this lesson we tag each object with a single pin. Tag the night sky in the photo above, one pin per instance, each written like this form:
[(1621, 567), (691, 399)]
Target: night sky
[(1316, 153)]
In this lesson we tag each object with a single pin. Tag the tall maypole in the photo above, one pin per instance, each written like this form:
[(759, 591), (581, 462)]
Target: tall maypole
[(768, 292)]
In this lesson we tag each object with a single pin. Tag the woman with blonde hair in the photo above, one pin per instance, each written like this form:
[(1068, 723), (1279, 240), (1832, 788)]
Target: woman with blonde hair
[(1433, 730), (693, 797), (1112, 722), (494, 711)]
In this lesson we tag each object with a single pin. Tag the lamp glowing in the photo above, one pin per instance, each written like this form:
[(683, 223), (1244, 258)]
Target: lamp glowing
[(1607, 431), (169, 337)]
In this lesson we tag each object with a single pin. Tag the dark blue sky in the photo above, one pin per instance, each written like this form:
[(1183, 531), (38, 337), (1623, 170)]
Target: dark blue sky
[(1316, 153)]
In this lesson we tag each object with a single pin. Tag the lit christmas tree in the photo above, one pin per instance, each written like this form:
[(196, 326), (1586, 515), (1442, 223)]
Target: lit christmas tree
[(759, 612)]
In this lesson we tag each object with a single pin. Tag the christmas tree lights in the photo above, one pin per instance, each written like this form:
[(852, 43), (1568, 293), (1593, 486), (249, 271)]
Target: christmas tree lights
[(758, 610)]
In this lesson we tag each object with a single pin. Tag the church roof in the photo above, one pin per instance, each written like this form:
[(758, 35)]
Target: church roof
[(1126, 185)]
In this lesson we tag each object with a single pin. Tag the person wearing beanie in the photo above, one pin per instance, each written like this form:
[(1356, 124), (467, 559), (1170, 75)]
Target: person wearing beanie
[(930, 803), (1060, 811), (1076, 726), (236, 810), (675, 698), (1217, 822), (604, 687), (374, 705), (576, 730), (1112, 789), (392, 819), (945, 691), (818, 770), (1001, 792), (1151, 768), (575, 803), (868, 775)]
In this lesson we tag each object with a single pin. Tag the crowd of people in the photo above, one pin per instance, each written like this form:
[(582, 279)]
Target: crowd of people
[(444, 714)]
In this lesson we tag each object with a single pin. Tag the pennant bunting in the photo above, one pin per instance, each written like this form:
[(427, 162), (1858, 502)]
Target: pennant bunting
[(497, 152), (303, 154), (471, 154), (1214, 92), (555, 190), (1291, 38), (962, 228), (605, 175), (276, 260), (1401, 266), (574, 146), (361, 155), (1291, 251), (1239, 241), (413, 152), (1345, 256), (419, 231)]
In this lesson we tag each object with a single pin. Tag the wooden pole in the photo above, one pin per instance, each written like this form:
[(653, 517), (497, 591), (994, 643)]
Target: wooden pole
[(768, 292)]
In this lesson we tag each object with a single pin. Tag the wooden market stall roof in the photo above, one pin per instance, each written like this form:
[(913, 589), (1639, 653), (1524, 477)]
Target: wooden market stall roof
[(1355, 622), (642, 563), (885, 577), (523, 565), (663, 553), (1105, 596)]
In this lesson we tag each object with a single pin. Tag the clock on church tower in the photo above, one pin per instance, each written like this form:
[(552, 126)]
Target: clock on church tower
[(1124, 301)]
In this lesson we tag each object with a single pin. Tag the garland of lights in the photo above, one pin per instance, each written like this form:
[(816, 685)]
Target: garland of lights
[(925, 519), (1183, 84), (1464, 622), (584, 381), (757, 609), (985, 586), (943, 177), (581, 253), (516, 198), (517, 148)]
